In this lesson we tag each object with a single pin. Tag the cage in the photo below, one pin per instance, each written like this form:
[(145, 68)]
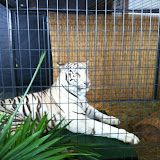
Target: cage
[(120, 38)]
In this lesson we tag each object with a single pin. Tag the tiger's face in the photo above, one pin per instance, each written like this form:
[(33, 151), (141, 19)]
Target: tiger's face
[(76, 75)]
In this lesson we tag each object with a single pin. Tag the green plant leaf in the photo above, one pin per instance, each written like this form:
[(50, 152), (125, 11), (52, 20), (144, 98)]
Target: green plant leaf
[(25, 128), (4, 133), (41, 123), (91, 154), (19, 138), (5, 130), (51, 152), (21, 146), (2, 116), (61, 156), (56, 127), (9, 135), (6, 147), (57, 131), (40, 149), (3, 119), (30, 147), (3, 124), (32, 127), (46, 124)]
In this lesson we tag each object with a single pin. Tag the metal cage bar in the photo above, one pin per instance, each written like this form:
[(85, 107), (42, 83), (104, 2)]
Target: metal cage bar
[(119, 37)]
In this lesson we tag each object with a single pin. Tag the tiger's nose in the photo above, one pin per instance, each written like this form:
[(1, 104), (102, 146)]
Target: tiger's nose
[(87, 84)]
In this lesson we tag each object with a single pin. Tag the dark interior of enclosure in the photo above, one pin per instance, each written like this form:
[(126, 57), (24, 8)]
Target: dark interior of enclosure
[(20, 61), (28, 44)]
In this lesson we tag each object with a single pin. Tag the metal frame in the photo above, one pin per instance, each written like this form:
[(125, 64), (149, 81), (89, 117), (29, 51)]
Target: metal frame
[(92, 8)]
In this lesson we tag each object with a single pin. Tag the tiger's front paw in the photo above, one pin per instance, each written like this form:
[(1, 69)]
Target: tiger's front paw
[(131, 138), (115, 121), (112, 121)]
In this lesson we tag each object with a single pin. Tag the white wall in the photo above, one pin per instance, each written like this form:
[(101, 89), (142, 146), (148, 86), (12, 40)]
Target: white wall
[(137, 4)]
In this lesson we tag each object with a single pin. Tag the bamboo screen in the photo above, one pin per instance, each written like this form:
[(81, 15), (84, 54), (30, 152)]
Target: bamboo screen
[(120, 67)]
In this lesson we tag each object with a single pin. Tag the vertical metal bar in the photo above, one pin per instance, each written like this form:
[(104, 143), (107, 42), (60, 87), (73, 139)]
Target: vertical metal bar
[(113, 48), (122, 55), (114, 16), (44, 47), (104, 57), (139, 65), (58, 33), (48, 48), (29, 47), (19, 44), (86, 35), (77, 55), (130, 66), (158, 52), (9, 27), (122, 50), (15, 50), (39, 44), (147, 71), (67, 53), (146, 77), (58, 49), (39, 47), (95, 58)]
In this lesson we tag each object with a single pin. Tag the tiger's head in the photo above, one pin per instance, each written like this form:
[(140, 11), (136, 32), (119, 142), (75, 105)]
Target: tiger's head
[(75, 75)]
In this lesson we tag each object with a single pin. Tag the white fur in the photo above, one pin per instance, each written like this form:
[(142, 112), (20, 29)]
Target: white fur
[(67, 99)]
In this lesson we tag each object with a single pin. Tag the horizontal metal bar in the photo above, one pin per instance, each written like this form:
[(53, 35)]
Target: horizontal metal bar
[(84, 10)]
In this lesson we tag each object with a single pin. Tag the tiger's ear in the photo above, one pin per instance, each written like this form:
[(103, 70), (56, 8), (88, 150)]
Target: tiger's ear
[(86, 62), (60, 65)]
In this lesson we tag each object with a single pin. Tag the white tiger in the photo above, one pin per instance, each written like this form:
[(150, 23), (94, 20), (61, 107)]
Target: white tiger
[(67, 99)]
